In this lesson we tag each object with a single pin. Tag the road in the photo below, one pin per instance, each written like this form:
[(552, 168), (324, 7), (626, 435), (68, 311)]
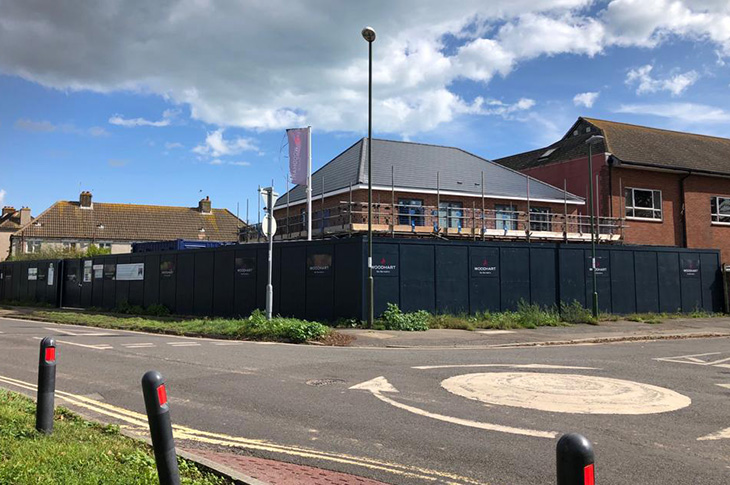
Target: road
[(657, 412)]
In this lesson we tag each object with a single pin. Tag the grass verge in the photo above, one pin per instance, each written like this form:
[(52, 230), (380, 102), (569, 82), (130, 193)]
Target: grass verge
[(78, 451), (255, 327)]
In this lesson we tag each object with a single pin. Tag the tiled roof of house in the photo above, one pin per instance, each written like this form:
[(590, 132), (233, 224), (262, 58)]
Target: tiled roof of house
[(417, 166), (131, 222), (633, 144), (10, 222)]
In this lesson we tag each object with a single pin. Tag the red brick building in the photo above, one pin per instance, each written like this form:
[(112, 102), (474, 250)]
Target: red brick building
[(673, 188), (431, 190)]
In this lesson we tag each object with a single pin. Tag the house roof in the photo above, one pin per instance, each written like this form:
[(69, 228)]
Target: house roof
[(131, 222), (417, 166), (10, 222), (633, 145)]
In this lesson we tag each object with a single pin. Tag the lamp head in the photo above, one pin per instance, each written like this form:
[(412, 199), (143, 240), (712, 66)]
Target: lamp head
[(594, 139), (368, 33)]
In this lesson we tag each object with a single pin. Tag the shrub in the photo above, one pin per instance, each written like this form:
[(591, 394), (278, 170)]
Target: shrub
[(278, 328), (576, 313), (394, 319)]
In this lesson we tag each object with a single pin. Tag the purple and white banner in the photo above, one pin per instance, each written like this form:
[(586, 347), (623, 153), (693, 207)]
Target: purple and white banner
[(298, 154)]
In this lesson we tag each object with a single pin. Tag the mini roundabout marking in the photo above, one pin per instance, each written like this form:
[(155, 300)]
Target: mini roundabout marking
[(541, 391)]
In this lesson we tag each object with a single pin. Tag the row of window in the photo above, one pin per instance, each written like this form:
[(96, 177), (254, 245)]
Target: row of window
[(647, 204), (36, 246), (451, 215)]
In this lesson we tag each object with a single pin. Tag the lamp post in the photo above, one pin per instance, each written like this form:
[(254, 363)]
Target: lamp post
[(369, 35), (594, 233)]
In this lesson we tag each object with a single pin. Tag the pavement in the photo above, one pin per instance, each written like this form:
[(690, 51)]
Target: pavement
[(604, 332), (651, 398)]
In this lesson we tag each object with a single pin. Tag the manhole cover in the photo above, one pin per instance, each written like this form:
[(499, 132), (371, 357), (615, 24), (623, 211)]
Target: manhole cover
[(324, 382)]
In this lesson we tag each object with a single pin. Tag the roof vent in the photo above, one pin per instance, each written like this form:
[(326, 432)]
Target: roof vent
[(547, 153)]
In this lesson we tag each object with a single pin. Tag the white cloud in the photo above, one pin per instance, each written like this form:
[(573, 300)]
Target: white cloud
[(167, 117), (676, 84), (173, 145), (686, 112), (218, 161), (2, 196), (216, 146), (587, 99), (48, 127), (276, 64)]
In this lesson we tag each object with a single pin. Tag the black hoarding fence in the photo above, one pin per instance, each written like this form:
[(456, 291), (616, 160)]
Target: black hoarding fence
[(325, 280)]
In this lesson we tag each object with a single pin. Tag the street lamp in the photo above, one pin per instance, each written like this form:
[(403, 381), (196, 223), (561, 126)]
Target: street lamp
[(594, 233), (368, 33)]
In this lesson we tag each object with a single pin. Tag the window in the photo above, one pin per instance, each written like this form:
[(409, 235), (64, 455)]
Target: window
[(720, 208), (69, 245), (451, 214), (410, 212), (540, 219), (33, 247), (104, 245), (643, 204), (506, 217)]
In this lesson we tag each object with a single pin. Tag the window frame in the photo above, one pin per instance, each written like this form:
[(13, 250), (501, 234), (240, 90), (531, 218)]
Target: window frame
[(447, 218), (414, 219), (715, 214), (33, 246), (543, 222), (511, 221), (653, 208)]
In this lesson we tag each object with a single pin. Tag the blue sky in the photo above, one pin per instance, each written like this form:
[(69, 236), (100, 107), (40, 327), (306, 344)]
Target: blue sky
[(165, 103)]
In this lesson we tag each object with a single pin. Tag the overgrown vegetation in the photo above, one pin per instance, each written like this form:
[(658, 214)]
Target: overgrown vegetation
[(61, 253), (526, 316), (78, 452), (394, 319), (255, 327)]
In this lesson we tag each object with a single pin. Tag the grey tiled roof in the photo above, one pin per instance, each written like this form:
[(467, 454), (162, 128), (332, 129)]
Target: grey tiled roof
[(415, 166)]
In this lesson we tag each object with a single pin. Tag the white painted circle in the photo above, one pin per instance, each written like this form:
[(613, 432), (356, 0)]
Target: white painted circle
[(566, 393)]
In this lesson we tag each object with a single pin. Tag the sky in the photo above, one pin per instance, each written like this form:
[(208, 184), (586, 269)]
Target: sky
[(169, 101)]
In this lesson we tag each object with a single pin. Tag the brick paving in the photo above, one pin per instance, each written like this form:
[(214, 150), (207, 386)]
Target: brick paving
[(279, 473)]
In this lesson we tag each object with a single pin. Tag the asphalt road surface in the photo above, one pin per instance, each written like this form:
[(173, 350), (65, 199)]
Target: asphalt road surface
[(656, 412)]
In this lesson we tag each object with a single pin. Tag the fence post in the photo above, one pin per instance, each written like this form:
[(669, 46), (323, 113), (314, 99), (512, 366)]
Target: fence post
[(575, 460), (158, 415), (46, 386)]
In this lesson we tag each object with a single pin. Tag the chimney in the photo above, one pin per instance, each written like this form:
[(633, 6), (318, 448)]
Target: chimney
[(85, 200), (204, 205), (24, 216), (8, 209)]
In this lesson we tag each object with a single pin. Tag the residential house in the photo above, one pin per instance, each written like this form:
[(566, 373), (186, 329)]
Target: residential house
[(10, 221), (673, 188), (428, 190), (78, 224)]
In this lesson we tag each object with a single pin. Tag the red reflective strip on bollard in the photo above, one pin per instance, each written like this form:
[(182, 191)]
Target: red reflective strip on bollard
[(589, 475), (162, 395), (50, 354)]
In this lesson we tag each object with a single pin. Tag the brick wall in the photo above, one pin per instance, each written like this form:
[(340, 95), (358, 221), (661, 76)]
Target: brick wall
[(664, 232), (701, 232)]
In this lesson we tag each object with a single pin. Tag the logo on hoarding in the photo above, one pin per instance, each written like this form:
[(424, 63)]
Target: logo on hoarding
[(690, 268), (319, 264), (386, 266), (482, 267)]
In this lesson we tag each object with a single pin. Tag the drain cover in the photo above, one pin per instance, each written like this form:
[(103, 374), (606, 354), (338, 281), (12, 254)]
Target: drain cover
[(324, 382)]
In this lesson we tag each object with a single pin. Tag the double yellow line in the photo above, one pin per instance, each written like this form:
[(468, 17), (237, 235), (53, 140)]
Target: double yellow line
[(137, 423)]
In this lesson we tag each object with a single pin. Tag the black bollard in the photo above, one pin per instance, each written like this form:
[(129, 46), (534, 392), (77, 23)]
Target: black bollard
[(158, 415), (575, 460), (46, 386)]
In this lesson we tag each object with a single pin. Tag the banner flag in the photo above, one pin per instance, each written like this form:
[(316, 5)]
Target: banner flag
[(298, 154)]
